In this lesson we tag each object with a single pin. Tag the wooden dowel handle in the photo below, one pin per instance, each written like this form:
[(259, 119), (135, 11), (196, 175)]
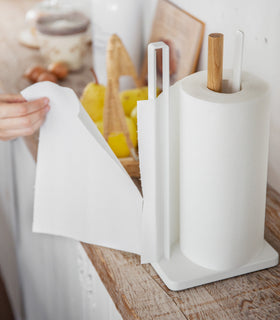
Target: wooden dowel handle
[(215, 61)]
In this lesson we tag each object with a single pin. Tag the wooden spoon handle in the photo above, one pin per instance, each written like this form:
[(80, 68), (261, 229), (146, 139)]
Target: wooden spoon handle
[(215, 61)]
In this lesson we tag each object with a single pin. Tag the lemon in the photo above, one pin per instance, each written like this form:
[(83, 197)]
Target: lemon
[(93, 100), (117, 140), (130, 97), (144, 93)]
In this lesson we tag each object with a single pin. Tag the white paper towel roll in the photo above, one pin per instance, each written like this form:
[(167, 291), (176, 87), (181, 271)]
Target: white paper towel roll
[(223, 171)]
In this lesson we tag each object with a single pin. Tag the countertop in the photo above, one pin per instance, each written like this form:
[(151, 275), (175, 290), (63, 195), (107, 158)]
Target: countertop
[(136, 289)]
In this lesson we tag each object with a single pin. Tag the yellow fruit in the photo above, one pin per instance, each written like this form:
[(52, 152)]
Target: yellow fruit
[(93, 100), (133, 115), (117, 140), (144, 93), (130, 97)]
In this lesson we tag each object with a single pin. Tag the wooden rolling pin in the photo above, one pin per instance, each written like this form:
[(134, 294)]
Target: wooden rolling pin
[(215, 61)]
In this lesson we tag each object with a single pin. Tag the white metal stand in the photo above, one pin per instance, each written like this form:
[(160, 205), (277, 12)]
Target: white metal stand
[(179, 273)]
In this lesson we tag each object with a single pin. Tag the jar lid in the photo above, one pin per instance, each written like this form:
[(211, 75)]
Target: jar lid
[(62, 24)]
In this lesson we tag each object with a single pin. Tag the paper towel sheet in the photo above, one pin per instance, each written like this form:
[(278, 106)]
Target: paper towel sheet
[(81, 189)]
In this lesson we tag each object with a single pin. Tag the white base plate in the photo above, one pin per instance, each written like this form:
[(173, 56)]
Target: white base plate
[(180, 273)]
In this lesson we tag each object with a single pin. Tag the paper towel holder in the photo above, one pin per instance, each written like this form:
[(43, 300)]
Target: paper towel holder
[(176, 270)]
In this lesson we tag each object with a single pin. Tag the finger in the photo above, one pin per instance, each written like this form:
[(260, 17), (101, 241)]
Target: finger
[(5, 138), (15, 110), (12, 98), (24, 122), (12, 134)]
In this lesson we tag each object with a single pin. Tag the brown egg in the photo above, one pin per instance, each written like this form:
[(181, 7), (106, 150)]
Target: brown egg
[(59, 69), (47, 76), (33, 73)]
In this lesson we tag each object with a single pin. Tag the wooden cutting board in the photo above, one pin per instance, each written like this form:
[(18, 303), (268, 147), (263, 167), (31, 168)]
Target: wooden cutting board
[(183, 33)]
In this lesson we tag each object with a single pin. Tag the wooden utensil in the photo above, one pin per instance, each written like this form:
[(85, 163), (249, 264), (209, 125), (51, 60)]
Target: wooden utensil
[(215, 61), (119, 63), (183, 33)]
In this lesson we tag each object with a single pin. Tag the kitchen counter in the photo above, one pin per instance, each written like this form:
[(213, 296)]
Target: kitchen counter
[(136, 289)]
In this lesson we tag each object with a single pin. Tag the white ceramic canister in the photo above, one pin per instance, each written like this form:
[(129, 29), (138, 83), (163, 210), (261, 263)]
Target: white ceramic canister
[(124, 18), (62, 37)]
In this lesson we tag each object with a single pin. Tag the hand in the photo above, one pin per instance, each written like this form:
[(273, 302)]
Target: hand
[(19, 117)]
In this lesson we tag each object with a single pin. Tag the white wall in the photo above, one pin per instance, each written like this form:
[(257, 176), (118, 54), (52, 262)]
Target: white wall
[(260, 20)]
